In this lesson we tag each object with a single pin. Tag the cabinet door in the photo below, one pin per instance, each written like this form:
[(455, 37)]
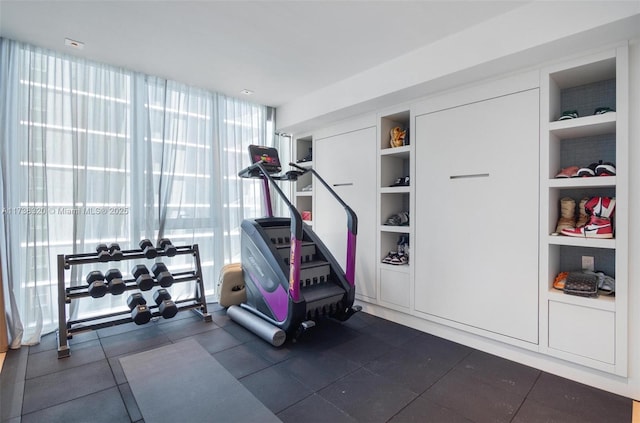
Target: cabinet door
[(477, 215), (348, 163)]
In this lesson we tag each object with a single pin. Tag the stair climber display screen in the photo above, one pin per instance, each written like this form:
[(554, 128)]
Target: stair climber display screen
[(268, 156), (291, 278)]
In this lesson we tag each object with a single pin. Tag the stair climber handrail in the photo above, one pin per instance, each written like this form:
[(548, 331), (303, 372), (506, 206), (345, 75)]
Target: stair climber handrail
[(352, 225), (296, 225)]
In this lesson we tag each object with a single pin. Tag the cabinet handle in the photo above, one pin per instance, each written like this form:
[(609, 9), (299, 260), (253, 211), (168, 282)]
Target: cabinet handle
[(343, 184), (471, 175)]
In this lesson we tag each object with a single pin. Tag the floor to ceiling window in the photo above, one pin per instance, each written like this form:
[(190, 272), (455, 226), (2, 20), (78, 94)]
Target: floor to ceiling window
[(95, 154)]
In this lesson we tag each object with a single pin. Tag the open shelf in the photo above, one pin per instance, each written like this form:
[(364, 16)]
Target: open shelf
[(584, 85)]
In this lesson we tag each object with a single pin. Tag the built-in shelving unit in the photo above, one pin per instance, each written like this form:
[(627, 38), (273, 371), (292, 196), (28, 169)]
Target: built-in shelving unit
[(588, 331), (303, 154), (395, 163)]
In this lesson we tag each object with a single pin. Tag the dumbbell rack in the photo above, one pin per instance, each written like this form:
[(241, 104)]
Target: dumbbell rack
[(66, 328)]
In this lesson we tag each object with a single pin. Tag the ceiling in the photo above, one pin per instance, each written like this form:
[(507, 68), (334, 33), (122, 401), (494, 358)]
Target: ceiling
[(280, 50)]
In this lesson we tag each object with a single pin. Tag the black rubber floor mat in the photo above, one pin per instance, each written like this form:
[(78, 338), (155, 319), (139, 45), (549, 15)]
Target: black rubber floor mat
[(183, 382)]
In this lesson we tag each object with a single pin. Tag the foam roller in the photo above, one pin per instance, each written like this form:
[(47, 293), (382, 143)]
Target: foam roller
[(265, 330)]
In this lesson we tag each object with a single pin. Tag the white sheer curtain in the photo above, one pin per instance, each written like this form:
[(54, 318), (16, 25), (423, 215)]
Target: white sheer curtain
[(91, 154)]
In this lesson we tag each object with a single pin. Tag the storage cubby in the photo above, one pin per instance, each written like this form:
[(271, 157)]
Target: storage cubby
[(388, 122), (303, 187), (577, 194), (304, 150), (585, 85), (394, 165), (304, 184), (394, 203), (582, 88), (395, 195), (389, 242)]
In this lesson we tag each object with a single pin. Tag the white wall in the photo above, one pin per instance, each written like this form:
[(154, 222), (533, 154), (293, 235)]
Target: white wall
[(634, 221), (629, 386), (539, 31)]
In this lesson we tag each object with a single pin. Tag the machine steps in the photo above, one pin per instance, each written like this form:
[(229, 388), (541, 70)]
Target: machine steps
[(320, 292)]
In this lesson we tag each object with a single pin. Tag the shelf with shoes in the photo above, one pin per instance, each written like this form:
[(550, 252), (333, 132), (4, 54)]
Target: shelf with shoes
[(601, 181), (303, 191), (584, 126), (395, 203), (584, 200)]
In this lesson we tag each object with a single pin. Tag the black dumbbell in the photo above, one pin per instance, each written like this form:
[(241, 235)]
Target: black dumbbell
[(166, 306), (162, 274), (148, 249), (140, 312), (97, 287), (142, 277), (166, 245), (103, 252), (114, 281), (115, 251)]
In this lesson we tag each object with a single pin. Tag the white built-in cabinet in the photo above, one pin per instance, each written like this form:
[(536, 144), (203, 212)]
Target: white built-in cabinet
[(483, 203), (476, 225), (588, 331), (394, 162), (303, 187), (346, 161)]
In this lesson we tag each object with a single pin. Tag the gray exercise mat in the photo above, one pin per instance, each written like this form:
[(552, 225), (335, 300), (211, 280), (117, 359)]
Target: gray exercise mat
[(182, 382)]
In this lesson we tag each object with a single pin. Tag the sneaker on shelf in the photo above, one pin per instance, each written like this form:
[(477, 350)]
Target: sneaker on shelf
[(567, 218), (307, 158), (603, 110), (307, 188), (583, 217), (606, 169), (401, 182), (390, 257), (597, 227), (568, 172), (569, 114), (396, 259), (398, 219), (601, 207), (590, 170)]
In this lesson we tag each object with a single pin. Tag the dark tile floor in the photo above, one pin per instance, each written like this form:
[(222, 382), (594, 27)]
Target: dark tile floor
[(363, 370)]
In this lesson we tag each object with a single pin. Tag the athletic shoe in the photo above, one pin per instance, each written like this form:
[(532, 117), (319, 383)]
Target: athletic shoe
[(401, 182), (307, 158), (308, 188), (567, 218), (395, 259), (569, 114), (603, 110), (597, 227), (568, 172), (398, 219), (390, 257), (589, 170), (606, 169), (583, 217), (399, 259), (601, 207)]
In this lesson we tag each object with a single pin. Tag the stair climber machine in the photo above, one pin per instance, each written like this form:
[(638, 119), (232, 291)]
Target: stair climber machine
[(290, 276)]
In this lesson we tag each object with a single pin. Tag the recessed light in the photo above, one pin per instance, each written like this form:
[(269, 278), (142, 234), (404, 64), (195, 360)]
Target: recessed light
[(246, 92), (73, 43)]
